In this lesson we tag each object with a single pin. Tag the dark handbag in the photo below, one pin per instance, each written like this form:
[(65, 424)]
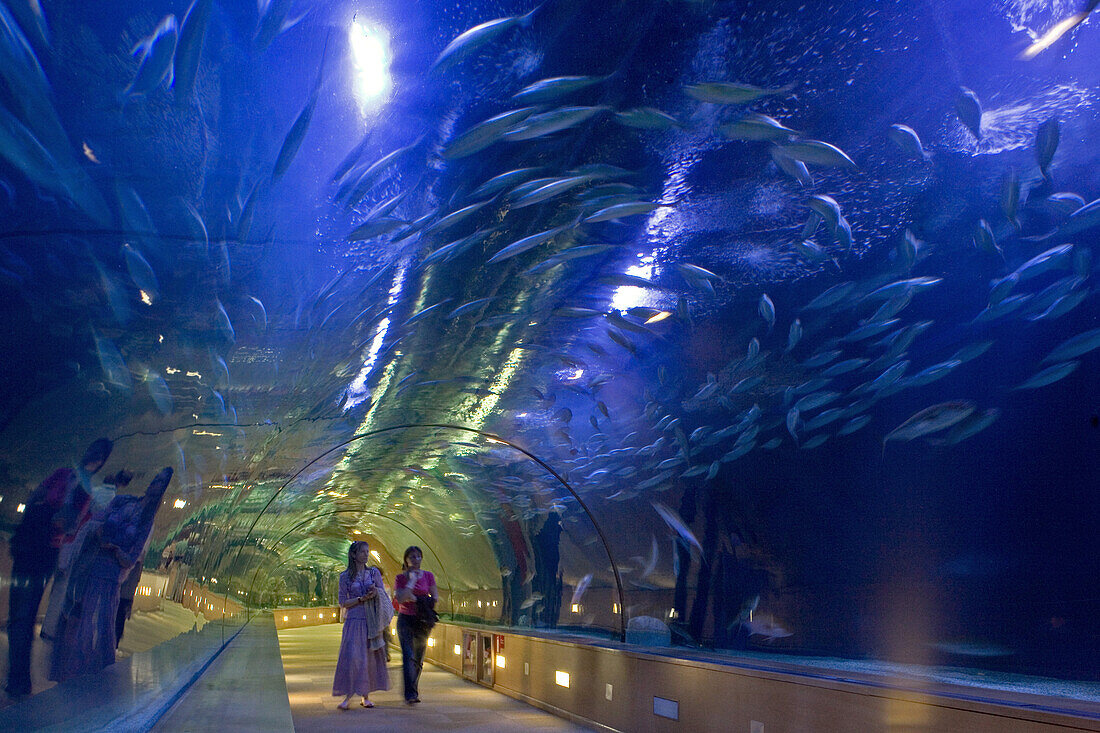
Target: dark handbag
[(425, 612)]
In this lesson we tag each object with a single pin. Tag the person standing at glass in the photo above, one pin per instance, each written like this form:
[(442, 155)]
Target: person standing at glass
[(86, 630), (54, 512), (410, 585), (361, 664)]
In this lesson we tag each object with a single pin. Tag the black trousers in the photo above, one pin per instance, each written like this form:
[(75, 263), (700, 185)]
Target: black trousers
[(28, 582), (414, 643)]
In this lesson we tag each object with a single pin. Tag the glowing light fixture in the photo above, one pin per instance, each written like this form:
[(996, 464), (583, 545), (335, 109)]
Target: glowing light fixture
[(179, 503), (21, 508), (371, 55), (562, 678), (576, 608), (458, 650), (431, 641), (500, 661)]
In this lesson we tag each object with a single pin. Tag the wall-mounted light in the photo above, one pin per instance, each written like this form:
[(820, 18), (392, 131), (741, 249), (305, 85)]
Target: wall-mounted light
[(500, 661), (562, 678), (431, 641), (575, 608), (458, 650)]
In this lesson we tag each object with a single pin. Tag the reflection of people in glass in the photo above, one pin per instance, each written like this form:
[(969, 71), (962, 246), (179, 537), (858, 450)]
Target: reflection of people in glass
[(101, 498), (86, 632), (410, 585), (54, 511), (361, 664)]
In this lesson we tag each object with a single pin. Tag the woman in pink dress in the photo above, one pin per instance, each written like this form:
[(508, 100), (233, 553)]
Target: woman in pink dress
[(361, 665)]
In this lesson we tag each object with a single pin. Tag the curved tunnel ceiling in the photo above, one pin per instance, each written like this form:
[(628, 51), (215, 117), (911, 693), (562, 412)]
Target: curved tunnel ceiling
[(698, 274)]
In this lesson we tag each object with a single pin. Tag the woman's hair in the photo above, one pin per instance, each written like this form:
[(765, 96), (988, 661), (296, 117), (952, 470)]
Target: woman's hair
[(98, 453), (351, 557), (405, 558)]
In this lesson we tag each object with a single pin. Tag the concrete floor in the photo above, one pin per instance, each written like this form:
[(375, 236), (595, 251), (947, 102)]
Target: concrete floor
[(450, 703)]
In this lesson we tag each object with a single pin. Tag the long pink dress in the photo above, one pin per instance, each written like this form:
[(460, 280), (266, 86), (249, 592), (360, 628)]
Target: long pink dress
[(361, 669)]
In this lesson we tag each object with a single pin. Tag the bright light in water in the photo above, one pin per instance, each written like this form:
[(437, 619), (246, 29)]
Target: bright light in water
[(371, 55), (629, 296), (357, 390), (179, 504)]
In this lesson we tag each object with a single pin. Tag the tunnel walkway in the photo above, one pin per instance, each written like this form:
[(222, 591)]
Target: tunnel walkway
[(450, 702)]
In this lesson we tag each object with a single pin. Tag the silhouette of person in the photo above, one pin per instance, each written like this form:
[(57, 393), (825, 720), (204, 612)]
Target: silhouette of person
[(101, 498), (86, 633), (54, 511)]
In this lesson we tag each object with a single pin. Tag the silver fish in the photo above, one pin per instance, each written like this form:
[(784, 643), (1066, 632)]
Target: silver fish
[(297, 133), (504, 181), (767, 310), (647, 118), (1046, 143), (1050, 375), (719, 92), (756, 126), (1071, 348), (817, 152), (856, 423), (530, 242), (673, 520), (794, 335), (1010, 196), (796, 169), (969, 109), (549, 90), (968, 428), (485, 133), (553, 121), (908, 141), (185, 64), (472, 38), (141, 273), (931, 420), (830, 297), (156, 52), (827, 208)]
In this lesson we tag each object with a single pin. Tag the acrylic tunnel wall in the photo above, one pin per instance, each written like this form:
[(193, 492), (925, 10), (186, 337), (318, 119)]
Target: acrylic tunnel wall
[(762, 330)]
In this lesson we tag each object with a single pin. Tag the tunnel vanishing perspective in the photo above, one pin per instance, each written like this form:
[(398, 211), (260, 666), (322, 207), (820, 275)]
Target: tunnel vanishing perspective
[(735, 334)]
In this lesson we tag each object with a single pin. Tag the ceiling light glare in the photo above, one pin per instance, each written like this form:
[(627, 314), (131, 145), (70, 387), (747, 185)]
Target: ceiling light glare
[(371, 58)]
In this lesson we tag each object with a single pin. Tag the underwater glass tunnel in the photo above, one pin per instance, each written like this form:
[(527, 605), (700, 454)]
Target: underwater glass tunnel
[(769, 325)]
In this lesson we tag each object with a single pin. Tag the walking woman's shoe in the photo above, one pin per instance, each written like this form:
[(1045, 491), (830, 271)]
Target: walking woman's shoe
[(343, 705), (366, 703)]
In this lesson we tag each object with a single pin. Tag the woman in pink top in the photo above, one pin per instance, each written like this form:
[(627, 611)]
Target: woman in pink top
[(410, 585)]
